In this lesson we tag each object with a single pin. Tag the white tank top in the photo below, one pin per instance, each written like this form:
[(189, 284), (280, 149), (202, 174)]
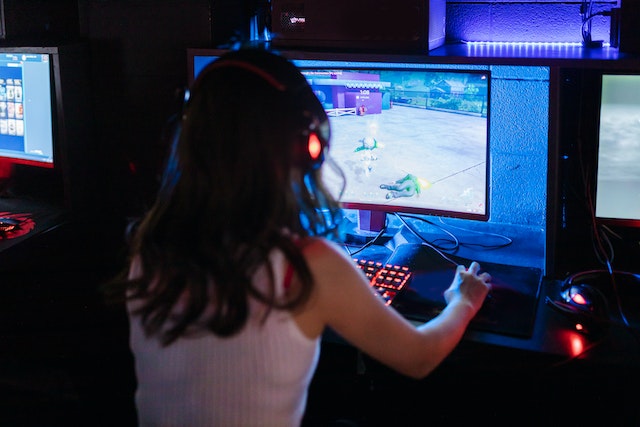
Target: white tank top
[(258, 377)]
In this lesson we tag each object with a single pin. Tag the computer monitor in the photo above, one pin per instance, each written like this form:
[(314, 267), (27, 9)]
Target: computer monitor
[(617, 192), (47, 152), (409, 137), (27, 111)]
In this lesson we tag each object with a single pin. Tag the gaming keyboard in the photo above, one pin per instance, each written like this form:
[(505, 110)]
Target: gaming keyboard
[(387, 280), (413, 279)]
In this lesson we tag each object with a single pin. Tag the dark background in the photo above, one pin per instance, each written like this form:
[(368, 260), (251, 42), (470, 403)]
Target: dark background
[(64, 358)]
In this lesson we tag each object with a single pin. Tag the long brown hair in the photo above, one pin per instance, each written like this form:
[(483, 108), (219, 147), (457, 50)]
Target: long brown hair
[(233, 190)]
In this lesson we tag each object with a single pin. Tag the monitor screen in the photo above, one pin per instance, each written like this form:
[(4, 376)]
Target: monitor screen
[(26, 108), (408, 137), (618, 175)]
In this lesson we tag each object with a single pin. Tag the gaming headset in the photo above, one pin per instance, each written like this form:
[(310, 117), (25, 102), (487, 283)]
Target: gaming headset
[(314, 126)]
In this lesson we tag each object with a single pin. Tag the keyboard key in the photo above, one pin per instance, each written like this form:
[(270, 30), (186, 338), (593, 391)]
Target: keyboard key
[(385, 279)]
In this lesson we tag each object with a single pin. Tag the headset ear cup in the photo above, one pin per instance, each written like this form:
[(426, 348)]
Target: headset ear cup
[(315, 141), (314, 148)]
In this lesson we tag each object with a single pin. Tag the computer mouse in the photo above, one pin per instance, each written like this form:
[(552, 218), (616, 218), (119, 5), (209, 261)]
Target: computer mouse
[(7, 224), (581, 299), (581, 296)]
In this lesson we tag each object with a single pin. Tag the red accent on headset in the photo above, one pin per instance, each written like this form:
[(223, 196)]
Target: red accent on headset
[(314, 146)]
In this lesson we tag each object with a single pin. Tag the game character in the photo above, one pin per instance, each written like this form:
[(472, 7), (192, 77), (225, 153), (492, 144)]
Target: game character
[(408, 186)]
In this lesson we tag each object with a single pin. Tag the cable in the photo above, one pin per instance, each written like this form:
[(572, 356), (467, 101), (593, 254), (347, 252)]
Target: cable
[(587, 18), (585, 12), (455, 242), (370, 242), (428, 243), (603, 249), (507, 240)]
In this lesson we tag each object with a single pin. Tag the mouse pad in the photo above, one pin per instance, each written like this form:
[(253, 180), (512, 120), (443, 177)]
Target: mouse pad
[(510, 308)]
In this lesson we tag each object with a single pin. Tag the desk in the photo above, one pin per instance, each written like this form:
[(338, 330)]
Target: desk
[(556, 375), (552, 333)]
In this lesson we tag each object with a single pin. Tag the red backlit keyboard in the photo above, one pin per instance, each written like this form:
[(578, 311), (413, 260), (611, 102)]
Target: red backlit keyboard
[(386, 279)]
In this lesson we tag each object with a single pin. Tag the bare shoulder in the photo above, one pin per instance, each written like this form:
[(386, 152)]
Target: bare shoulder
[(321, 250), (335, 273), (328, 260)]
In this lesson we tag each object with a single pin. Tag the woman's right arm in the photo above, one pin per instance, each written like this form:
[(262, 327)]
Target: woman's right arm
[(344, 301)]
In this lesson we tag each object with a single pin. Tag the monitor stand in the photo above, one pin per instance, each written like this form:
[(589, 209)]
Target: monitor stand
[(371, 221), (369, 227)]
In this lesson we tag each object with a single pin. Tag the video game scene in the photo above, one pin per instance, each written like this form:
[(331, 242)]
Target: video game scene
[(408, 140), (11, 109), (25, 108), (618, 182)]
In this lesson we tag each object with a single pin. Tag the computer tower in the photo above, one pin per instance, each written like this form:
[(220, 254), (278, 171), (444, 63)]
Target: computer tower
[(382, 25)]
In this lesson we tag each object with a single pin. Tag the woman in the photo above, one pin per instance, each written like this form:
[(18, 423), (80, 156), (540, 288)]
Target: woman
[(234, 270)]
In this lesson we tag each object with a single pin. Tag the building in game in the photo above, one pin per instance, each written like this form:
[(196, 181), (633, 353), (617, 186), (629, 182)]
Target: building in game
[(349, 93)]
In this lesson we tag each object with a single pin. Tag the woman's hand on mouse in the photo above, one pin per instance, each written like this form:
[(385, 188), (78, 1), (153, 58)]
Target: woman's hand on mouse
[(469, 286)]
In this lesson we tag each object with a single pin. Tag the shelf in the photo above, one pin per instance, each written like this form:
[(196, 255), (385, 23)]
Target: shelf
[(569, 56), (538, 54)]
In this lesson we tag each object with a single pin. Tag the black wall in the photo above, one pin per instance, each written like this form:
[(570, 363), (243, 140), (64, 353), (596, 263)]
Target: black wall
[(137, 68), (138, 59)]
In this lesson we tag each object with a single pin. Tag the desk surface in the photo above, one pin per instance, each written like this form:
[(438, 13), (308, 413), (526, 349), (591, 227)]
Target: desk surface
[(32, 217), (33, 220), (552, 333)]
